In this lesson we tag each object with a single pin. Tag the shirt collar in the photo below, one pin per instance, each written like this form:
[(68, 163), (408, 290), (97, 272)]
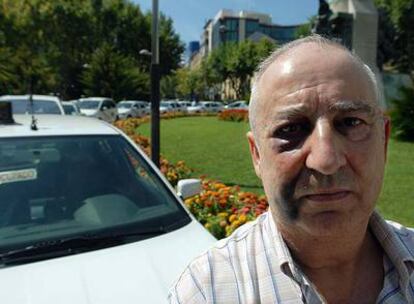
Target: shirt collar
[(285, 260), (397, 243)]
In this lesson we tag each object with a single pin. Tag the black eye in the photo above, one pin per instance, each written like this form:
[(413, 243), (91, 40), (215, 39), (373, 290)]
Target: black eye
[(293, 131)]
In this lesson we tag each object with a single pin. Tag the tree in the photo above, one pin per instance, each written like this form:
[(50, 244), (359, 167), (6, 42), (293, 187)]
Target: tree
[(168, 86), (190, 84), (109, 67), (235, 63), (402, 114), (53, 42), (399, 22)]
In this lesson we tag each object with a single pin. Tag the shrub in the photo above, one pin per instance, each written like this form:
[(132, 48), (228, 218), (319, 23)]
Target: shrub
[(222, 209), (234, 115), (129, 125), (402, 114)]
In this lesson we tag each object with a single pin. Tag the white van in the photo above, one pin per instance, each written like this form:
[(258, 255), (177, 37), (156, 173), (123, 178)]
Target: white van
[(102, 108)]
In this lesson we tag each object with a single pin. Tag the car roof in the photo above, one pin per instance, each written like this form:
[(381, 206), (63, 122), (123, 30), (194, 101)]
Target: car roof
[(56, 125), (71, 103), (27, 96), (95, 98), (133, 101)]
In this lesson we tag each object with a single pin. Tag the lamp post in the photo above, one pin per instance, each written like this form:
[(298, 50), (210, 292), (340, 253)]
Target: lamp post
[(155, 87)]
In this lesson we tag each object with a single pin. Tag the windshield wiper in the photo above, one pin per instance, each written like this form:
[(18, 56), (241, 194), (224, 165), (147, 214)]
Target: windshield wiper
[(47, 249)]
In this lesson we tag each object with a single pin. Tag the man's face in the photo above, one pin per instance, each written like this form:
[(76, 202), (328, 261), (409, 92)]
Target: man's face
[(320, 141)]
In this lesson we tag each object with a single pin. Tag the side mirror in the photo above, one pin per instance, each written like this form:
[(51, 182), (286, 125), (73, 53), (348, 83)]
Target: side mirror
[(188, 187), (104, 108)]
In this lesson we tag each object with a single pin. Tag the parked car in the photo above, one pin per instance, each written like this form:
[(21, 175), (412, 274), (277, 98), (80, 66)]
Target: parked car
[(42, 104), (240, 104), (170, 107), (196, 107), (99, 107), (85, 217), (184, 105), (212, 106), (70, 108), (132, 108)]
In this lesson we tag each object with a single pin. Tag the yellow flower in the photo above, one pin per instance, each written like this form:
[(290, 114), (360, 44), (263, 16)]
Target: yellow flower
[(223, 214), (242, 218)]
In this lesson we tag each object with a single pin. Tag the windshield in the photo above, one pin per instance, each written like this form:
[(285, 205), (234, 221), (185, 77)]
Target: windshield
[(69, 109), (58, 187), (22, 106), (89, 104), (124, 105)]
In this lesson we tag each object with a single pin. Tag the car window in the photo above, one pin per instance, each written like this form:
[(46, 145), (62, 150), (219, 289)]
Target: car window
[(108, 104), (69, 109), (89, 104), (124, 105), (55, 187), (22, 106)]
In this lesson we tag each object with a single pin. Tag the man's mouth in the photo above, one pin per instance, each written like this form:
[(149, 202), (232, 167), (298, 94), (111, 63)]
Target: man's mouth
[(326, 196)]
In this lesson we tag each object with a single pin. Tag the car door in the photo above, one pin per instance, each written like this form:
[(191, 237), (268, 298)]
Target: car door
[(108, 111)]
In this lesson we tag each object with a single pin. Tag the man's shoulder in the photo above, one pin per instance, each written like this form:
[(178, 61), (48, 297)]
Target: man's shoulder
[(405, 233), (225, 249), (242, 237), (195, 280)]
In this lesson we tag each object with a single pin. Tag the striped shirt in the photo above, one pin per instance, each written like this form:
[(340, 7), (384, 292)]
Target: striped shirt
[(254, 265)]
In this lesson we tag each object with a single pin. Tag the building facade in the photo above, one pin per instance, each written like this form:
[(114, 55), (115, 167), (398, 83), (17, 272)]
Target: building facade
[(229, 25)]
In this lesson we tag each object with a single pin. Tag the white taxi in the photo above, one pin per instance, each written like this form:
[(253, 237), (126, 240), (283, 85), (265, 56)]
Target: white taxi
[(85, 217)]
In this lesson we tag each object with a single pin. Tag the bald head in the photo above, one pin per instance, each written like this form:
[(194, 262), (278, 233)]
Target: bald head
[(311, 55)]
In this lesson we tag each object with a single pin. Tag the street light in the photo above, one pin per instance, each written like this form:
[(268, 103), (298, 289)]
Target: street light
[(145, 52), (155, 86)]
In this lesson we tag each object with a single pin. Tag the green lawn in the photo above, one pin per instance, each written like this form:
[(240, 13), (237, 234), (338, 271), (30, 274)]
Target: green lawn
[(219, 150)]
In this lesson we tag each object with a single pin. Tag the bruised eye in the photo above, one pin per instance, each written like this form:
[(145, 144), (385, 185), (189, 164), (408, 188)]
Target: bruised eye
[(293, 131)]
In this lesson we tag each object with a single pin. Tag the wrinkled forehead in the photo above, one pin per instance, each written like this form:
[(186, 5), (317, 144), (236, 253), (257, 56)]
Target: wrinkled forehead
[(316, 76)]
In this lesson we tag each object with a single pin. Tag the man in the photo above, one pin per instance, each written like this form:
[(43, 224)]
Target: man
[(318, 142)]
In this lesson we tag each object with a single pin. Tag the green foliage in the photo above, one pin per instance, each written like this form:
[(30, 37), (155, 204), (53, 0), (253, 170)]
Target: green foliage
[(234, 64), (109, 67), (397, 33), (191, 84), (303, 30), (402, 115), (168, 86), (51, 42)]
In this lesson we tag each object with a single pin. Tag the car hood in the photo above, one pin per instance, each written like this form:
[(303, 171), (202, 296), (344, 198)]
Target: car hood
[(88, 112), (139, 272), (123, 111)]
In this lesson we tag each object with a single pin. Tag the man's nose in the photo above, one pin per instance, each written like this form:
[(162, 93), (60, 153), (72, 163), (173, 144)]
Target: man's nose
[(326, 151)]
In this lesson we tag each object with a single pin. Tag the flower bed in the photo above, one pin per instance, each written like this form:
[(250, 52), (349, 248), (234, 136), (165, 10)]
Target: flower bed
[(234, 115), (222, 209)]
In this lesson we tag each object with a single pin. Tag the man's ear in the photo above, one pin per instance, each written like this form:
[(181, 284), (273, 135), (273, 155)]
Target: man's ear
[(254, 152)]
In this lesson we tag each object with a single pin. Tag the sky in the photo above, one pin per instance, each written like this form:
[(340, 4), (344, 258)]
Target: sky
[(189, 16)]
